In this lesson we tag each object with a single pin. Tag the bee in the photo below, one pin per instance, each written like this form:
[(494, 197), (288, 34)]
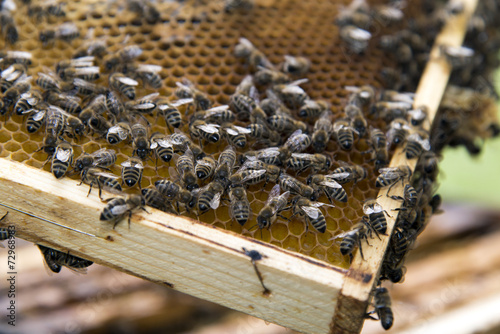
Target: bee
[(392, 267), (235, 135), (294, 186), (96, 106), (242, 104), (225, 163), (65, 32), (297, 142), (416, 143), (54, 127), (118, 133), (8, 27), (291, 94), (170, 111), (10, 75), (185, 167), (428, 164), (101, 158), (268, 155), (16, 57), (124, 85), (361, 96), (376, 216), (390, 176), (187, 89), (265, 76), (132, 172), (62, 159), (209, 196), (95, 176), (347, 173), (254, 57), (272, 172), (388, 14), (162, 146), (390, 110), (86, 88), (382, 304), (355, 38), (379, 147), (200, 129), (219, 115), (140, 141), (55, 260), (28, 101), (66, 102), (358, 120), (344, 133), (322, 131), (310, 210), (240, 206), (329, 186), (302, 161), (126, 54), (284, 123), (230, 5), (89, 73), (353, 238), (400, 242), (74, 64), (181, 142), (35, 120), (457, 56), (144, 9), (275, 203), (247, 176), (144, 105), (20, 86), (174, 192), (149, 74), (312, 109), (155, 199), (92, 48), (263, 133), (418, 115), (205, 167), (118, 207), (296, 65), (398, 131)]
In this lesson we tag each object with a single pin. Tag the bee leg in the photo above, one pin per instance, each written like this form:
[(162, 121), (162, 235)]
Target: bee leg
[(328, 196), (397, 198), (387, 214), (283, 217), (390, 187), (129, 218), (90, 188), (360, 250), (3, 217)]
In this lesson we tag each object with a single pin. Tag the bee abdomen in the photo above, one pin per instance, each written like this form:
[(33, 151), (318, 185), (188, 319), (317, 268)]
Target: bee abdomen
[(319, 223), (241, 212), (379, 222), (345, 139)]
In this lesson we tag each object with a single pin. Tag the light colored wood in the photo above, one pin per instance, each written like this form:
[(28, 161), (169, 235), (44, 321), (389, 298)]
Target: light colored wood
[(355, 293), (189, 256)]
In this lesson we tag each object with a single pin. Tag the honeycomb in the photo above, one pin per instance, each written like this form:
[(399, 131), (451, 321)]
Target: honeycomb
[(195, 40)]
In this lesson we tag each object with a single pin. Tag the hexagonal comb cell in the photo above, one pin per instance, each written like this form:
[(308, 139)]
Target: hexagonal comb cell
[(195, 40)]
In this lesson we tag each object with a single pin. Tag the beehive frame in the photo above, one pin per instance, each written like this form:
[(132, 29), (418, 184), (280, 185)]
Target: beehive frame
[(307, 295)]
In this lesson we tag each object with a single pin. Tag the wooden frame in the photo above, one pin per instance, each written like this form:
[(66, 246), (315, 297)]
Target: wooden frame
[(307, 295)]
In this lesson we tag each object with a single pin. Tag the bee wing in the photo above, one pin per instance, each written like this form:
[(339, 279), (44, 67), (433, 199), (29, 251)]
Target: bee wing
[(459, 51), (108, 175), (83, 61), (242, 130), (189, 153), (122, 133), (127, 163), (181, 102), (352, 89), (173, 174), (285, 196), (150, 96), (254, 174), (338, 175), (144, 105), (119, 210), (39, 115), (214, 111), (360, 34), (293, 90), (63, 155), (330, 184), (149, 68), (269, 152), (275, 191), (424, 142), (19, 55), (67, 29), (163, 142), (188, 83), (80, 271), (311, 211), (214, 203), (343, 235), (209, 128), (320, 204), (182, 86), (127, 81), (246, 42), (231, 131), (303, 156), (87, 70)]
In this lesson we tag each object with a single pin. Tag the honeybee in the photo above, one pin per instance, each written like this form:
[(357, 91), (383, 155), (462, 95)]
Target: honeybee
[(54, 128), (376, 216), (379, 147), (19, 87), (322, 131), (240, 206), (225, 163), (353, 238), (97, 106), (382, 304), (162, 146), (284, 123), (8, 27), (247, 176), (265, 76), (174, 192), (230, 5), (140, 141), (171, 112), (122, 84), (187, 89), (344, 133), (62, 159), (418, 115), (66, 102), (132, 172), (254, 57), (291, 93), (35, 120), (457, 56), (312, 108), (149, 74), (200, 129), (272, 172), (296, 65), (144, 10), (87, 88), (275, 203), (398, 131), (10, 75), (347, 173), (358, 120), (118, 133), (118, 207), (355, 38), (390, 176), (294, 186), (67, 69), (126, 54), (101, 158), (416, 143), (219, 115), (181, 142), (310, 210), (65, 32), (155, 199), (361, 96), (28, 101), (235, 135), (205, 167), (55, 260), (209, 196), (302, 161), (330, 187), (297, 142), (428, 164), (95, 176), (268, 155), (16, 57), (388, 14), (185, 167)]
